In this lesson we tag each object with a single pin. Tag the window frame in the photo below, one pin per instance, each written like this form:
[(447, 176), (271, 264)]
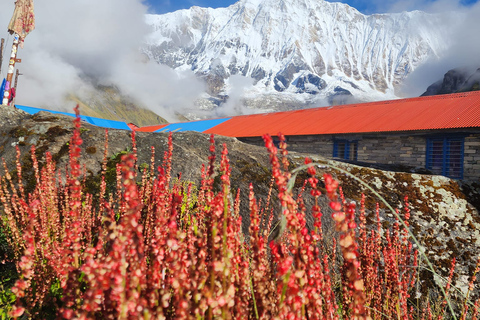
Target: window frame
[(344, 152), (434, 156)]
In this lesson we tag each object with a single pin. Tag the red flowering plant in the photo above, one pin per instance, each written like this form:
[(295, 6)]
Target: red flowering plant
[(154, 247)]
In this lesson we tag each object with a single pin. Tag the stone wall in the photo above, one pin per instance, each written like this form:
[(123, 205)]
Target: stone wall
[(395, 149), (471, 163), (376, 148), (404, 148), (317, 144)]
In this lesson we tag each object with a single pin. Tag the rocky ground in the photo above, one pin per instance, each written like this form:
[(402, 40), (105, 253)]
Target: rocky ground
[(443, 218)]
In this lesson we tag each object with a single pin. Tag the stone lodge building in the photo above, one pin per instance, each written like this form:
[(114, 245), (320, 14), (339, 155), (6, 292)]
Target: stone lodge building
[(436, 134)]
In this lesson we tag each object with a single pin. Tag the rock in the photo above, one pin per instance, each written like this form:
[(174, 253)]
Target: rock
[(281, 83), (442, 219), (11, 117), (472, 83), (340, 96), (454, 81), (310, 83), (283, 78), (191, 150), (258, 74)]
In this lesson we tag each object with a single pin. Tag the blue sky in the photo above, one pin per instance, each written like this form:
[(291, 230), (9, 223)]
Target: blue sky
[(365, 6)]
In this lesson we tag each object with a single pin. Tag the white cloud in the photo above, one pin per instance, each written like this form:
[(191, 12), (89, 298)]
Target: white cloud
[(463, 52), (238, 85), (461, 25), (165, 90), (79, 39), (385, 6)]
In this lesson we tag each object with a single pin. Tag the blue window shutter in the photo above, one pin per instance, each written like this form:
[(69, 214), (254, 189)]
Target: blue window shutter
[(445, 156), (444, 162), (428, 159), (454, 158), (345, 149)]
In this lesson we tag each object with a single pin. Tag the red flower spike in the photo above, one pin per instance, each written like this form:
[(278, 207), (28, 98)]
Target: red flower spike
[(161, 250)]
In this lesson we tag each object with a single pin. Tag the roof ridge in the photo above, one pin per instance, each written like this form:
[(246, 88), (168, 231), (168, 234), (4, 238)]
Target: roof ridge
[(401, 100)]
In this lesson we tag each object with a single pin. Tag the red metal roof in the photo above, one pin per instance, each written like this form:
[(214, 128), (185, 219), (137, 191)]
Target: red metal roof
[(152, 128), (460, 110), (133, 126)]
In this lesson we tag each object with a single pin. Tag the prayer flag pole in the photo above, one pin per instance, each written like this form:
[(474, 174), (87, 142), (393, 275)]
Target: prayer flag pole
[(11, 68), (21, 24)]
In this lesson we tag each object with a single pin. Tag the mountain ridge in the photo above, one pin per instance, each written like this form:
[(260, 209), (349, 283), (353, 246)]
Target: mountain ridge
[(462, 79), (300, 50)]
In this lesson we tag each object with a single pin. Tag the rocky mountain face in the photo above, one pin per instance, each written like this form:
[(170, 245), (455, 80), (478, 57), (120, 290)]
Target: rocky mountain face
[(295, 51), (454, 81), (442, 216), (108, 102)]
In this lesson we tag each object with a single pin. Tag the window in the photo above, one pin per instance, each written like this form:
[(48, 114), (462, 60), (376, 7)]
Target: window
[(445, 156), (345, 149)]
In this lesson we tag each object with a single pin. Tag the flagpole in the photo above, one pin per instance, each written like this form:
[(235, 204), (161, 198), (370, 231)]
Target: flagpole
[(16, 78), (11, 68), (21, 24), (1, 55), (17, 74)]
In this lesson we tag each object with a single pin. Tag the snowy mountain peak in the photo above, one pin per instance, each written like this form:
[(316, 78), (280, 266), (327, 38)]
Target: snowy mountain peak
[(296, 50)]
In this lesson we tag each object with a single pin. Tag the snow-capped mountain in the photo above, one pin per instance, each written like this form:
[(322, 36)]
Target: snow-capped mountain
[(296, 50)]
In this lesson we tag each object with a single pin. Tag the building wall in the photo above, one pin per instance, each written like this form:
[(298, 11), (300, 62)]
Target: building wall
[(392, 149), (405, 149), (376, 148), (322, 145), (316, 144), (471, 163)]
